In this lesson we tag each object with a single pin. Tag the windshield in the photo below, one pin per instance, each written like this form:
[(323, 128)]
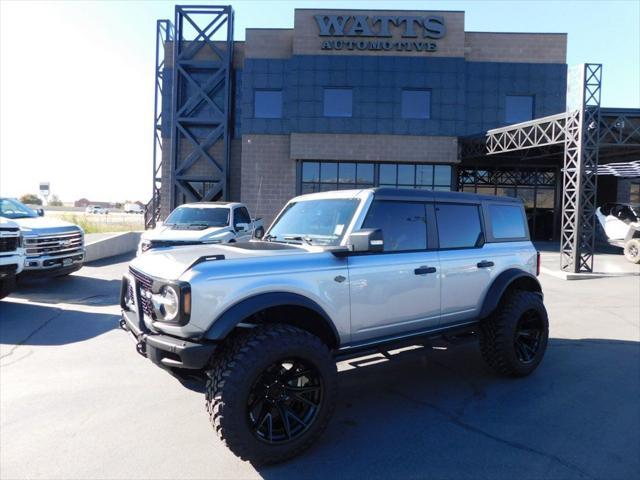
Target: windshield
[(14, 209), (209, 217), (321, 222)]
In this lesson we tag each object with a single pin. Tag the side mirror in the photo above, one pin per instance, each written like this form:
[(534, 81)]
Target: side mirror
[(258, 234), (40, 212), (242, 227), (366, 240)]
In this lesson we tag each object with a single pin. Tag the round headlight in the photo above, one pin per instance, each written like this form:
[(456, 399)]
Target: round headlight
[(166, 303)]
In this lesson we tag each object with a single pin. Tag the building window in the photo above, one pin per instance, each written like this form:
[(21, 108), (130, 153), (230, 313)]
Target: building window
[(267, 104), (634, 194), (338, 102), (324, 176), (411, 175), (416, 104), (518, 108)]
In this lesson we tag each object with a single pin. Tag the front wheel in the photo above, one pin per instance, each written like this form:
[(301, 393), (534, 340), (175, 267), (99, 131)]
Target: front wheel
[(271, 393), (514, 338), (632, 250)]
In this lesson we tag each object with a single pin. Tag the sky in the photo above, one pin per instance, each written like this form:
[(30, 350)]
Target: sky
[(76, 77)]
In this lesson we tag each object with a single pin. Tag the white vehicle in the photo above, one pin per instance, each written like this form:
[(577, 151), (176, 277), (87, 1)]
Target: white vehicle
[(52, 246), (11, 256), (203, 223), (622, 228), (96, 209), (133, 208)]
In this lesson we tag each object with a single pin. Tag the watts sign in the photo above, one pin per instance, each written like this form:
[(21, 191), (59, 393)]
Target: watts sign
[(416, 33)]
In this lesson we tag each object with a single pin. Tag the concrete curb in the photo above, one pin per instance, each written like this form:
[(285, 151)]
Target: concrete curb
[(584, 276), (111, 246)]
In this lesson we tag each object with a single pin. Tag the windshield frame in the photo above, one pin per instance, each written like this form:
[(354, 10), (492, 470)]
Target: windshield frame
[(183, 207), (29, 212), (337, 241)]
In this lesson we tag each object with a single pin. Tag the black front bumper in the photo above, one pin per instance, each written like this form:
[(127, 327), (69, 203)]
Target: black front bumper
[(166, 351)]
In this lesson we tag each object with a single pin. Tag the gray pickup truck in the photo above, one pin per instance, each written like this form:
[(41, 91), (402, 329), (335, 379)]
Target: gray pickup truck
[(338, 274)]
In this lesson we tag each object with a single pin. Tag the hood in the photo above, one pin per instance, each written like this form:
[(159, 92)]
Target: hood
[(165, 232), (43, 225), (7, 224), (171, 263)]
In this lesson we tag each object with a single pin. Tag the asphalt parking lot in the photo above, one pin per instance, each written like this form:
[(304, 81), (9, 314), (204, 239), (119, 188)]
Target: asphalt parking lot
[(77, 401)]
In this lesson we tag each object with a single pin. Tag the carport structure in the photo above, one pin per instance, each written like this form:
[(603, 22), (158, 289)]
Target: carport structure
[(586, 140)]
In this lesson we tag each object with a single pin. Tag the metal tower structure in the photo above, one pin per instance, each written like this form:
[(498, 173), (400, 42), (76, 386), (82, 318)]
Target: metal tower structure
[(201, 103), (164, 34), (581, 146)]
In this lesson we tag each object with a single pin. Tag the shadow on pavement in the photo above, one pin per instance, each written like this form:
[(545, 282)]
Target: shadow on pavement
[(443, 414), (24, 324)]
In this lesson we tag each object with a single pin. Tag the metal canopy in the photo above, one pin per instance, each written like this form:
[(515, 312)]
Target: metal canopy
[(580, 138)]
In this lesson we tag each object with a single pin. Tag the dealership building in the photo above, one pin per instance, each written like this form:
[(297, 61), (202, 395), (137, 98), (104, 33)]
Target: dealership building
[(354, 99)]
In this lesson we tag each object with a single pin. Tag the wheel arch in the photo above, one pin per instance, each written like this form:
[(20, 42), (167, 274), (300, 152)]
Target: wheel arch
[(277, 307), (511, 279)]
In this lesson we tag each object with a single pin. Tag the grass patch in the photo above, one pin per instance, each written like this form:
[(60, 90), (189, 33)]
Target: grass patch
[(100, 227)]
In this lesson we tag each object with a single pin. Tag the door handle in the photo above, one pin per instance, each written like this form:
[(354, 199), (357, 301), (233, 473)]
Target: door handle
[(484, 264), (423, 270)]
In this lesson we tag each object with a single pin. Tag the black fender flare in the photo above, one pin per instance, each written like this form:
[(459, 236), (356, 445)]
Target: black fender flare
[(502, 283), (235, 314)]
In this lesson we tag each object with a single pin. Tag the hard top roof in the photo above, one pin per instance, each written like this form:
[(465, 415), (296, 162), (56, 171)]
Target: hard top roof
[(437, 196)]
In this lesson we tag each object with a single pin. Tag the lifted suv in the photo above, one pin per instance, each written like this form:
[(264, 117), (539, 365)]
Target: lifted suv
[(338, 274)]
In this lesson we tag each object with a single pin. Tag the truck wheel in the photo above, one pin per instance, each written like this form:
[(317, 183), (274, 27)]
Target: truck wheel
[(7, 285), (632, 250), (271, 392), (513, 339)]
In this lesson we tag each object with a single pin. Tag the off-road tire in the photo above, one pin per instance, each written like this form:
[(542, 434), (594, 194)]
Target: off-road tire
[(498, 332), (7, 285), (233, 373), (632, 250)]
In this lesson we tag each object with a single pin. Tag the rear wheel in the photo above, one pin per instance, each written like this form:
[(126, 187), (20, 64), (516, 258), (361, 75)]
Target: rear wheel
[(271, 393), (514, 338), (632, 250)]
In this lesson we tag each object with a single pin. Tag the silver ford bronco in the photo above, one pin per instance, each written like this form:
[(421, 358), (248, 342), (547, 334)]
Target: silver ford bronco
[(337, 275)]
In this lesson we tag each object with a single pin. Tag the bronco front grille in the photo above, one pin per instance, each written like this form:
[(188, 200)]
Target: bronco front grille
[(59, 244), (144, 284)]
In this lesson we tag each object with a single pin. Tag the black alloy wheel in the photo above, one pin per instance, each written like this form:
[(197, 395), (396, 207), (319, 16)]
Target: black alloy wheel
[(528, 336), (284, 401)]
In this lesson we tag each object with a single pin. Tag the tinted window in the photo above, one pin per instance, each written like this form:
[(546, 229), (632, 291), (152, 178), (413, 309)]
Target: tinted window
[(416, 104), (403, 224), (507, 221), (338, 102), (518, 108), (458, 225), (267, 104), (241, 216)]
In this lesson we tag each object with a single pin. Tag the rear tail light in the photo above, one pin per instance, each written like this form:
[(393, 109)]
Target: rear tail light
[(537, 264)]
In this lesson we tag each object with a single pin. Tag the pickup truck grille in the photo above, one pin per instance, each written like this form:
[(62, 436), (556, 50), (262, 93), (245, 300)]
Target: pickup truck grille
[(58, 244), (144, 283), (8, 244)]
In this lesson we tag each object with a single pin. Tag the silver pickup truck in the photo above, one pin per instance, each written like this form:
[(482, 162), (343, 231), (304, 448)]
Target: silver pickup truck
[(338, 274), (53, 246)]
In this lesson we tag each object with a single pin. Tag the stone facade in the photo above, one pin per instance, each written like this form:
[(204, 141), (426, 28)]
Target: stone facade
[(268, 176)]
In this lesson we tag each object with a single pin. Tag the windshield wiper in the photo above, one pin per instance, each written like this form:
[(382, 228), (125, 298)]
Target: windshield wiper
[(298, 238), (268, 238)]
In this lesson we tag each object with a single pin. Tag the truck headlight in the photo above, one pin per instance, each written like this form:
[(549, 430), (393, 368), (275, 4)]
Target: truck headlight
[(166, 303)]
